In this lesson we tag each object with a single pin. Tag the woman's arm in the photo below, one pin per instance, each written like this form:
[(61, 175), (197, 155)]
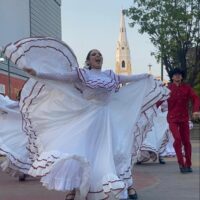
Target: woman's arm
[(130, 78), (67, 77), (13, 105)]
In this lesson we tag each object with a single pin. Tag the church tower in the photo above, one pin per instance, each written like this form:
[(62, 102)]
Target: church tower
[(123, 59)]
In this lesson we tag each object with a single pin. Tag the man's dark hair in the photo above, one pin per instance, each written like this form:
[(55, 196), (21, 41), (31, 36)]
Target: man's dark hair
[(176, 70)]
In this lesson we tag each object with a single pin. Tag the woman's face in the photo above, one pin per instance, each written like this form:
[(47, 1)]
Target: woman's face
[(95, 59)]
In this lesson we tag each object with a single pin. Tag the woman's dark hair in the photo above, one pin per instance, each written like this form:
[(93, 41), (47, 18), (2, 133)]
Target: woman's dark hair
[(87, 58), (88, 55)]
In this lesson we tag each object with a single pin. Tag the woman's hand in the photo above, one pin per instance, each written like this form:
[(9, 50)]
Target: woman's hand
[(30, 71), (130, 78)]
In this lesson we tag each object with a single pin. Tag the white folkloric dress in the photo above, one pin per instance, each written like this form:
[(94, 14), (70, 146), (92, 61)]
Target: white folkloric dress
[(12, 139), (169, 148), (157, 138), (83, 132)]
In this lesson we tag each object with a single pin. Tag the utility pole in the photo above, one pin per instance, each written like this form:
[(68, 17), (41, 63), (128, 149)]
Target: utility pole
[(9, 80)]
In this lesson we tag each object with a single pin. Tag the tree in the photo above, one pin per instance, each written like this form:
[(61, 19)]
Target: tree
[(173, 28)]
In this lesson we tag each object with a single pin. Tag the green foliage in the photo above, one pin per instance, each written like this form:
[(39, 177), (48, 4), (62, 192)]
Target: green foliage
[(172, 26), (197, 89), (197, 85)]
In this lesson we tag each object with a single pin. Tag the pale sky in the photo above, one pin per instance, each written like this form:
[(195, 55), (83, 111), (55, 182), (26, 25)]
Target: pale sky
[(94, 24)]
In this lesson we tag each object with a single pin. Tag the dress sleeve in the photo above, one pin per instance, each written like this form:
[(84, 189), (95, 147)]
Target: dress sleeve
[(13, 105), (67, 77), (130, 78)]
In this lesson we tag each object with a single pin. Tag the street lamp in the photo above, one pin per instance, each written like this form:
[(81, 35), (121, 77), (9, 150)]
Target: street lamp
[(2, 88)]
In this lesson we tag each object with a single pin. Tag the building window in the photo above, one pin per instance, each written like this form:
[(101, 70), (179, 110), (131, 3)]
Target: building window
[(123, 64), (2, 89)]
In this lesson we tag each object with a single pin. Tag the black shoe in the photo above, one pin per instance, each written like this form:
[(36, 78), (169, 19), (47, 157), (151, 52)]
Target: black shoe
[(189, 169), (132, 196), (22, 177), (138, 162), (70, 195), (183, 170), (161, 161)]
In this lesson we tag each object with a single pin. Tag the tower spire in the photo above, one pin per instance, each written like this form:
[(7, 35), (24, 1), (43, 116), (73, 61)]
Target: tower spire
[(123, 60)]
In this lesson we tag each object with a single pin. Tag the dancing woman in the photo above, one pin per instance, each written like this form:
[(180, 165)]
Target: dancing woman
[(81, 125)]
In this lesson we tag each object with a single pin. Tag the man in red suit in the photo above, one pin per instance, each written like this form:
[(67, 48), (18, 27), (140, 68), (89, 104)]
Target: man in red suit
[(178, 117)]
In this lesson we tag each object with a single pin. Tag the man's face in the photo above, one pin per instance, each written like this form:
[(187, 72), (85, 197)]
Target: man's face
[(177, 78)]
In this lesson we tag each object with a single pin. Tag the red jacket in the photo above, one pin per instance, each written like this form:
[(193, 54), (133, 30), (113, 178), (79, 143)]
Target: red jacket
[(178, 102)]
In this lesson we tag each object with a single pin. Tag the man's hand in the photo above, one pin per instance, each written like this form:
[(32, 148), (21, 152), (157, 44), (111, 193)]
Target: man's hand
[(196, 115)]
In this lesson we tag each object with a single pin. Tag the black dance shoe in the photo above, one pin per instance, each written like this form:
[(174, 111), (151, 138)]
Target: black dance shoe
[(22, 177), (189, 169), (133, 196), (70, 195), (183, 170), (161, 161), (138, 162)]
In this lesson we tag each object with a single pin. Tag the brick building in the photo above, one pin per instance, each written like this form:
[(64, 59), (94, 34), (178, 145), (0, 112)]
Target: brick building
[(11, 84)]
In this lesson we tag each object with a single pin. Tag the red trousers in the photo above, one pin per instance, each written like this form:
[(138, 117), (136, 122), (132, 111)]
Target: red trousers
[(181, 134)]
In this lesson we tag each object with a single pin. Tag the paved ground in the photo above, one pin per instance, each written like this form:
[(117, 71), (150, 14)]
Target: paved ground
[(164, 182), (153, 182)]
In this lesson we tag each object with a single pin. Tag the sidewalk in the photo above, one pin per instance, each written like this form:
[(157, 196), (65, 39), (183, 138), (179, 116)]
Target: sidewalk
[(164, 182), (153, 182)]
